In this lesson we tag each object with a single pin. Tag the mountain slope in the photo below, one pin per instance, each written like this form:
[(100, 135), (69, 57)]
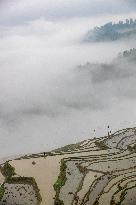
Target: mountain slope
[(112, 32), (95, 171)]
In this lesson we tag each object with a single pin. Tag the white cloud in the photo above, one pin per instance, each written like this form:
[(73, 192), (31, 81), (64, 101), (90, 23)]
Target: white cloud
[(17, 12), (39, 48)]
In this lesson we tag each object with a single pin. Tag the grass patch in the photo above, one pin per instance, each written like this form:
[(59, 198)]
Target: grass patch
[(60, 182)]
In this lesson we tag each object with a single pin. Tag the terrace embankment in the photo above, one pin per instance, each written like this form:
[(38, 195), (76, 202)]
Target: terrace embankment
[(93, 172)]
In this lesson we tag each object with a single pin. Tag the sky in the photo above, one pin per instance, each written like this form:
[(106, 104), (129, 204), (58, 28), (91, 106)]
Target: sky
[(22, 11), (46, 101)]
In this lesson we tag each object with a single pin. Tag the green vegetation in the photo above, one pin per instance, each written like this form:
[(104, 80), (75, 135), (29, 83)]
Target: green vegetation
[(67, 148), (60, 182), (2, 190), (58, 202), (101, 145), (131, 148), (8, 171), (112, 31), (102, 167)]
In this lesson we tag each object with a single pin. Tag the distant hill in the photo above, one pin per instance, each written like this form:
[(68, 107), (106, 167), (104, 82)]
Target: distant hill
[(120, 68), (112, 31), (98, 171)]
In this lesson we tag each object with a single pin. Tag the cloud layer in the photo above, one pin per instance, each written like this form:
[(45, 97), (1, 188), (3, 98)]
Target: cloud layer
[(47, 99), (23, 11)]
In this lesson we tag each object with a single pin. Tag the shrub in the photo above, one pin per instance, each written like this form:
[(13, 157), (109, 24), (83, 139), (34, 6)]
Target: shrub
[(33, 163), (101, 145), (7, 170)]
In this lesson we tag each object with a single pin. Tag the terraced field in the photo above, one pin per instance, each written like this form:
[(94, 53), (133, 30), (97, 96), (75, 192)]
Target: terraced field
[(94, 172)]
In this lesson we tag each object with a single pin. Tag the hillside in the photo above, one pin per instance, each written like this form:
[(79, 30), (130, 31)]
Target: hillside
[(119, 69), (95, 171), (112, 31)]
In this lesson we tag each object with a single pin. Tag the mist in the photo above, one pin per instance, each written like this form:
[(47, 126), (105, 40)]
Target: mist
[(49, 97)]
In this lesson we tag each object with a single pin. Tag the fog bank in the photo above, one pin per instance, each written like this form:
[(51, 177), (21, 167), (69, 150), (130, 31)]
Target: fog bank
[(46, 101)]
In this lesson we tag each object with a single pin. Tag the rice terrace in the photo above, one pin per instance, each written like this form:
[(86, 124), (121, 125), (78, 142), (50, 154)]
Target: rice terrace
[(67, 102), (99, 171)]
